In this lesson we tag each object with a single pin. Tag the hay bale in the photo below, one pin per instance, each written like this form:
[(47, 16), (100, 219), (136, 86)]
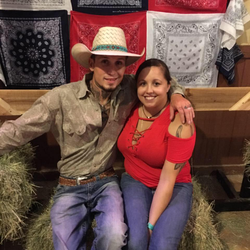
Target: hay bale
[(246, 156), (200, 231), (39, 234), (16, 191)]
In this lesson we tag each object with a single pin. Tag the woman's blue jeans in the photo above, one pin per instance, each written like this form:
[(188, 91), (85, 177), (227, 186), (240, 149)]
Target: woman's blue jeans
[(70, 215), (168, 229)]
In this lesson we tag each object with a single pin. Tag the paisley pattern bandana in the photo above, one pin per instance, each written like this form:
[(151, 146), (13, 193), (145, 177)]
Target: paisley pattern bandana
[(188, 44), (36, 5), (109, 7), (83, 28), (233, 22), (188, 6), (226, 62), (34, 48)]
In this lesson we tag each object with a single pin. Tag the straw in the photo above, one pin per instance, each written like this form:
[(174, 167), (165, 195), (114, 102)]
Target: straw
[(16, 192), (246, 156), (201, 229), (39, 234)]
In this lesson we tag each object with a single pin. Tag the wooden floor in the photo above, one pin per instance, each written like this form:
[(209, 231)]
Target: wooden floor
[(235, 229), (236, 224), (233, 225)]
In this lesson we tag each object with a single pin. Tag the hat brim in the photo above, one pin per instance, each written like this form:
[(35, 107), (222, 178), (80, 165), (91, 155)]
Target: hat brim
[(81, 54)]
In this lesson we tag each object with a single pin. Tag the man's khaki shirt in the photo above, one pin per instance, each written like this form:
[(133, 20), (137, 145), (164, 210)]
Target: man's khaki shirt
[(74, 117)]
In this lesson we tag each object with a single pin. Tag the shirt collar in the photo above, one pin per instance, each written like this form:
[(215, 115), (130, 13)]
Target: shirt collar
[(83, 90)]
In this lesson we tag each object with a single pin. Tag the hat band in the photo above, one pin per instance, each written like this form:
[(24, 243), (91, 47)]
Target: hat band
[(110, 47)]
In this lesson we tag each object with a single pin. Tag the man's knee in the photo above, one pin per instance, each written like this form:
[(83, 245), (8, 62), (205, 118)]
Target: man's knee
[(111, 236)]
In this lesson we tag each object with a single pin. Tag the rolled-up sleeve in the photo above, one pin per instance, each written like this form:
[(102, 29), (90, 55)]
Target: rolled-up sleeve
[(176, 88), (33, 123), (180, 149)]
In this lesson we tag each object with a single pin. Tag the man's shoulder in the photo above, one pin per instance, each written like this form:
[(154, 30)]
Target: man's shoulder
[(129, 77), (65, 88), (70, 85), (63, 92), (128, 82)]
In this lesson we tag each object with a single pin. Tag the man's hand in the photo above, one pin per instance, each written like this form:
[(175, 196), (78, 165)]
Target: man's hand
[(183, 106)]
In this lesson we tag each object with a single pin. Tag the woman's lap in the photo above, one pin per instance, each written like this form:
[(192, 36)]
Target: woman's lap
[(168, 229)]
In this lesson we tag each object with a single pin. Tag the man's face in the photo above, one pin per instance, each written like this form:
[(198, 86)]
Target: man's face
[(108, 71)]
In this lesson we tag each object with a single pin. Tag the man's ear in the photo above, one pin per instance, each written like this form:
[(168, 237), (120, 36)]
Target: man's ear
[(91, 64)]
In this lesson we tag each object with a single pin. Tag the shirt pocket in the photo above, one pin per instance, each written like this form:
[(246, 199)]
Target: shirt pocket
[(74, 133)]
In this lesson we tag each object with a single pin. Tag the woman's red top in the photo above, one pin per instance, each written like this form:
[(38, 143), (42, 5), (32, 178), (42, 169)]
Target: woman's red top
[(144, 160)]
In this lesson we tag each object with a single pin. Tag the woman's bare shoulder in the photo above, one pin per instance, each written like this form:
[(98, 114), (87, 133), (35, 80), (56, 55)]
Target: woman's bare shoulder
[(180, 130)]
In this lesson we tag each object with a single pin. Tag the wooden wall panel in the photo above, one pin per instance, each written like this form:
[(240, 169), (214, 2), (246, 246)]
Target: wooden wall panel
[(221, 137)]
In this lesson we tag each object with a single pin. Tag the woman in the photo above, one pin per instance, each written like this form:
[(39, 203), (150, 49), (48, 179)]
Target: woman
[(157, 186)]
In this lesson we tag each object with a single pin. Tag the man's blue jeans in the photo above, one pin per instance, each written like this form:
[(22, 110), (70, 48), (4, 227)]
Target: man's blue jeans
[(169, 227), (70, 215)]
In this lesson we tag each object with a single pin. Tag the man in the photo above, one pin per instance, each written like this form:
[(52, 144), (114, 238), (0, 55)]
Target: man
[(86, 118)]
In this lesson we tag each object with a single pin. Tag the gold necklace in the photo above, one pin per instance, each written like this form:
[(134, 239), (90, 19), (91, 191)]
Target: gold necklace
[(150, 117)]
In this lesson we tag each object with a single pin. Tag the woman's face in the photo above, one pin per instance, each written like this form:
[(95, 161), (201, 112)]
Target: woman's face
[(152, 87)]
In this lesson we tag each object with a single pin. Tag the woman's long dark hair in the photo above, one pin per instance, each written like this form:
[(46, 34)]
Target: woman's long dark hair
[(157, 63)]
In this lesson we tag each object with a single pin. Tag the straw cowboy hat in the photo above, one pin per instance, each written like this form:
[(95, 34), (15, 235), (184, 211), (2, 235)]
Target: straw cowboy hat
[(109, 41)]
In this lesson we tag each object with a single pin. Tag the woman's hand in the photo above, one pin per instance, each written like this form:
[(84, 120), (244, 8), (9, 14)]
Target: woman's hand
[(183, 106), (149, 236)]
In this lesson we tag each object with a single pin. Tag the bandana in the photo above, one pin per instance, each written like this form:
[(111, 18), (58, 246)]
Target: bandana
[(188, 6), (188, 44), (233, 22), (226, 62), (35, 5), (34, 48), (109, 7)]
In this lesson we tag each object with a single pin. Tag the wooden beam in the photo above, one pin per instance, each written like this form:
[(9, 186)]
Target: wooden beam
[(19, 100), (7, 109), (242, 104), (215, 99), (16, 102)]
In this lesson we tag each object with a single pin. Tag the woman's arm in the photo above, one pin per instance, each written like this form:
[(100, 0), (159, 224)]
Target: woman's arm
[(169, 172), (164, 190)]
